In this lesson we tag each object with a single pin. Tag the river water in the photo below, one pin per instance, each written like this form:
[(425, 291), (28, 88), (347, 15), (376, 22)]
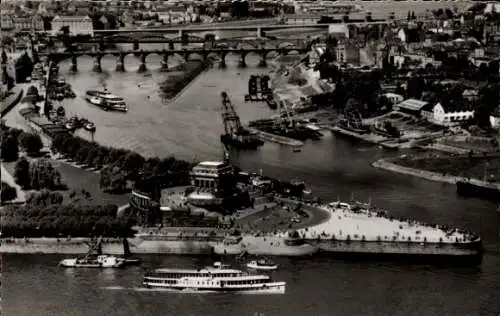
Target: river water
[(334, 167)]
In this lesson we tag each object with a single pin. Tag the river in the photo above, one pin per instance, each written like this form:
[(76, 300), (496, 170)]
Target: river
[(334, 167)]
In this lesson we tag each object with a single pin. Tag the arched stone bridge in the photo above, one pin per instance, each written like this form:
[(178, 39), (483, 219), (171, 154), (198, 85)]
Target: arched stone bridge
[(185, 53)]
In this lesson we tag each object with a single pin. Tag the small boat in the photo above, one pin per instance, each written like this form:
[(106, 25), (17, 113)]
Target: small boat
[(297, 150), (88, 125), (262, 264), (73, 123), (101, 261)]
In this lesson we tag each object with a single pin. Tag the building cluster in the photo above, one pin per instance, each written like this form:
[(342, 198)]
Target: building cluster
[(424, 50), (32, 16)]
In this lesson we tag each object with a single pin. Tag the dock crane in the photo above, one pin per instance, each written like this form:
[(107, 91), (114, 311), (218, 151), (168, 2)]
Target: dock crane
[(235, 134)]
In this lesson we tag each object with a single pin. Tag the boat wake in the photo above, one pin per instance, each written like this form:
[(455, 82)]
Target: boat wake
[(144, 289)]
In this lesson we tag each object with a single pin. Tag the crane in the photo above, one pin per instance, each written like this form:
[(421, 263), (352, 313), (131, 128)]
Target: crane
[(231, 120)]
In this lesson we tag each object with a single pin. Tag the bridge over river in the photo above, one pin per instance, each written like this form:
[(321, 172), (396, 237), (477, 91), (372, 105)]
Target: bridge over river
[(185, 53)]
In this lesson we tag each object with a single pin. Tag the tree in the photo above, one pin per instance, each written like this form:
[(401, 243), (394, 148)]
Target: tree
[(44, 176), (45, 198), (112, 179), (32, 90), (24, 68), (10, 147), (22, 173), (31, 143), (8, 193)]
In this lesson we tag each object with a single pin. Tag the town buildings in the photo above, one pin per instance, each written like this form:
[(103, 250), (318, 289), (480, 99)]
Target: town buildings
[(78, 25), (21, 23)]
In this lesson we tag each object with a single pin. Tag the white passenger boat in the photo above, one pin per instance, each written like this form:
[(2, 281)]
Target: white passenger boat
[(219, 278), (106, 100), (262, 264)]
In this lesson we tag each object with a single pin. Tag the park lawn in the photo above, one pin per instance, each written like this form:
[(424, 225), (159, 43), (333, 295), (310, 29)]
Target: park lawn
[(77, 179)]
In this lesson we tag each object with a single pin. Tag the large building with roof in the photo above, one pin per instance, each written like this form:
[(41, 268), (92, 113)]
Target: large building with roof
[(78, 25), (410, 106)]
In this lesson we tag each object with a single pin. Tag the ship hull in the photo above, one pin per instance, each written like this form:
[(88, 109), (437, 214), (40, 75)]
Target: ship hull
[(269, 288), (233, 142), (472, 190)]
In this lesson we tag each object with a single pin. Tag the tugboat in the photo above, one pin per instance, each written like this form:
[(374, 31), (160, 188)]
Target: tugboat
[(262, 264), (102, 261), (93, 259), (96, 259)]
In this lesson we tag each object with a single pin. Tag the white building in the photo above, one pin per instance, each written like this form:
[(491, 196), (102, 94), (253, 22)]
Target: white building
[(78, 25), (495, 119), (448, 116), (317, 50), (394, 98), (340, 31)]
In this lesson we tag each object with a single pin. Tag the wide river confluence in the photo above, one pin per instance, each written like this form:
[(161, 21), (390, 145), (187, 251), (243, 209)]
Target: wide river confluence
[(334, 168)]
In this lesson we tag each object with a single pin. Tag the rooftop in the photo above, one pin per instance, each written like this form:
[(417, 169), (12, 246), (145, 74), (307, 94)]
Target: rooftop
[(211, 164), (412, 104)]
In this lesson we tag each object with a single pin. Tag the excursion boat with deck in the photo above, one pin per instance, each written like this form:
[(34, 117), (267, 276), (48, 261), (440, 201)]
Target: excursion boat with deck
[(106, 100), (218, 278), (262, 264)]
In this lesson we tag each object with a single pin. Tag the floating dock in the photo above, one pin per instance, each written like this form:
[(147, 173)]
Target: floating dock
[(276, 138)]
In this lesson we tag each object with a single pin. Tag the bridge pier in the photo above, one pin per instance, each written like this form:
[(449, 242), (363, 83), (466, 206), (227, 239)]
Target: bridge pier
[(260, 33), (164, 62), (262, 61), (120, 63), (222, 63), (242, 63), (74, 63), (97, 63), (142, 66)]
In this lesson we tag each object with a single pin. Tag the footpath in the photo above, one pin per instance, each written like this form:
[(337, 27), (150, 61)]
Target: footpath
[(9, 179), (9, 102)]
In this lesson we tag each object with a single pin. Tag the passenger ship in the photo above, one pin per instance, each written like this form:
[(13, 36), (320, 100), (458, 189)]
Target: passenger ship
[(219, 278), (106, 100)]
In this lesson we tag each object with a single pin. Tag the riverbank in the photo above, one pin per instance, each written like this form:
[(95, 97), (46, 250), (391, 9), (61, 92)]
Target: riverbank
[(172, 240), (388, 165)]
